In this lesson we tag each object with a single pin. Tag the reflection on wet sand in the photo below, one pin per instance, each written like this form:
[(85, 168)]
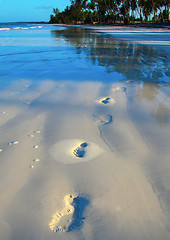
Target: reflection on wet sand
[(147, 70), (161, 107), (137, 62), (134, 61)]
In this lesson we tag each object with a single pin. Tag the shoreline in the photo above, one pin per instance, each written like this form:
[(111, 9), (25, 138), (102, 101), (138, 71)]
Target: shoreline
[(146, 25), (158, 36)]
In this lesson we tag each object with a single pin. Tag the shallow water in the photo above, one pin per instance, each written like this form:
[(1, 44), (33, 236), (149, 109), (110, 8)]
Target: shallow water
[(62, 87), (60, 53)]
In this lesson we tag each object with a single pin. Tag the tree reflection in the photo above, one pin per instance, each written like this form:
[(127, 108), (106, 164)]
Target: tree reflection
[(137, 62), (152, 94), (134, 61)]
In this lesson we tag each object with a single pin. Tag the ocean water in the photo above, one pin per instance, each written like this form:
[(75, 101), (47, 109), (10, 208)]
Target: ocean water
[(111, 89)]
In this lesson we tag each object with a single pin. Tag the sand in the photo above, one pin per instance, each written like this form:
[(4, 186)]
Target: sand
[(84, 160)]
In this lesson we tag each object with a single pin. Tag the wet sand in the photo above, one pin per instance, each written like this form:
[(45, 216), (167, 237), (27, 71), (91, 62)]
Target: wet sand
[(84, 160)]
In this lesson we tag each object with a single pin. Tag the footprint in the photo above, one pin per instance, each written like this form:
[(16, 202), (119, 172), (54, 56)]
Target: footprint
[(80, 204), (66, 213), (72, 151), (118, 89), (71, 217), (31, 135), (80, 151), (36, 160), (37, 131), (27, 102), (103, 119), (36, 146), (13, 143), (106, 101)]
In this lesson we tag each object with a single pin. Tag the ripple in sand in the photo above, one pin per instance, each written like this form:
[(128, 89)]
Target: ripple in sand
[(75, 151), (106, 101), (103, 119), (71, 217)]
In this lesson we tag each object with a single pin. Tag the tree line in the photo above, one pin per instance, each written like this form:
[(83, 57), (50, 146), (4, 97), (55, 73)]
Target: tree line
[(112, 11)]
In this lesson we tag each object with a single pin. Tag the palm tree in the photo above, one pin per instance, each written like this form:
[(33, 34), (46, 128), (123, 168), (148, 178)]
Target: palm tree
[(124, 10), (140, 9), (133, 6)]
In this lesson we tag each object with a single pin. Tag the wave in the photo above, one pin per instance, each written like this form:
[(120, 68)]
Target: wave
[(20, 28)]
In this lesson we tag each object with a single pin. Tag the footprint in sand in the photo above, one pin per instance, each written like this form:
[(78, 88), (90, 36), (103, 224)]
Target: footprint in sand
[(74, 151), (118, 89), (71, 217), (80, 151), (106, 101), (36, 160), (27, 102), (36, 146), (103, 119), (37, 131), (13, 143), (31, 135)]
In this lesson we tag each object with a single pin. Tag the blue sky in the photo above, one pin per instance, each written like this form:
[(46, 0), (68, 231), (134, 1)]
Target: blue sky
[(32, 10)]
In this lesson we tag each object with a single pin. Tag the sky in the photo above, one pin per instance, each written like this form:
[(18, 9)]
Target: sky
[(29, 10)]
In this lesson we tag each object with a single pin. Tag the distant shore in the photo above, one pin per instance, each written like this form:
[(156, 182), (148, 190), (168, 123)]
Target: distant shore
[(146, 25)]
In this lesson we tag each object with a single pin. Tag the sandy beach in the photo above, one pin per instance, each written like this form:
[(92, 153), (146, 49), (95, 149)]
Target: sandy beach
[(85, 158)]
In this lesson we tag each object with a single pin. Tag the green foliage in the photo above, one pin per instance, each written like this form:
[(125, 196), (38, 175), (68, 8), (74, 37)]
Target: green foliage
[(109, 11)]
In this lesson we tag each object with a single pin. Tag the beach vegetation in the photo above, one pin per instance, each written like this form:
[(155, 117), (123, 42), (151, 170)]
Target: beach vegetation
[(112, 11)]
